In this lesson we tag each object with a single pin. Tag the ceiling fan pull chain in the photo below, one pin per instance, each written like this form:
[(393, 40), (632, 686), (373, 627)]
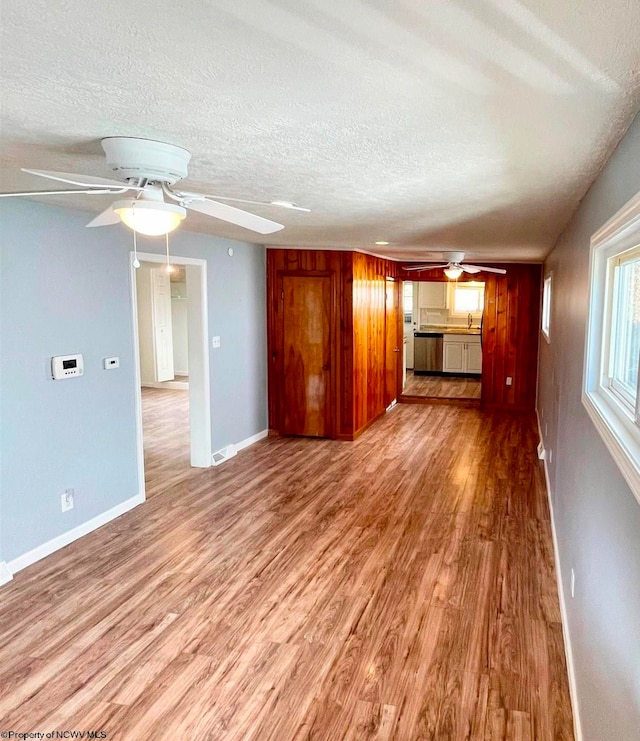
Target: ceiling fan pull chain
[(169, 266), (136, 262)]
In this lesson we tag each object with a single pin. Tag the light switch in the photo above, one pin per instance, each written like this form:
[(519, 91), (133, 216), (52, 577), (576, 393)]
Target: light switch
[(215, 343)]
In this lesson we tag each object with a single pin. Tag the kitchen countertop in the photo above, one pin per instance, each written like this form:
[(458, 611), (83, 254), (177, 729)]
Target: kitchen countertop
[(448, 329)]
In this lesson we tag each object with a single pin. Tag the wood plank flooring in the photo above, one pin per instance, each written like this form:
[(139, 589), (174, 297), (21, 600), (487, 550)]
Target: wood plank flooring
[(397, 587), (167, 452), (442, 387)]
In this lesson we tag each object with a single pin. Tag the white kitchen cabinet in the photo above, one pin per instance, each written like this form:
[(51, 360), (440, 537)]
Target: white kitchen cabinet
[(474, 357), (453, 357), (432, 295), (462, 354)]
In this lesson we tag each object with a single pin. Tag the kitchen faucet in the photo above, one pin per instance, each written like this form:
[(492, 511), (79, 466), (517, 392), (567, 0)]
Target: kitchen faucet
[(469, 321)]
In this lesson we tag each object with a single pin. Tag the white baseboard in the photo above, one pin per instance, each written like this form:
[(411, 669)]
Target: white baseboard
[(26, 559), (230, 451), (573, 689), (251, 440), (5, 574)]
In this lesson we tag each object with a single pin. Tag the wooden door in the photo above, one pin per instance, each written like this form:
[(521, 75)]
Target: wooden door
[(306, 356), (162, 326), (392, 343)]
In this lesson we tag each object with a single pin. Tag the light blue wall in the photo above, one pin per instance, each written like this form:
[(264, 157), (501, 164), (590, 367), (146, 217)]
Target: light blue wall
[(597, 518), (65, 289)]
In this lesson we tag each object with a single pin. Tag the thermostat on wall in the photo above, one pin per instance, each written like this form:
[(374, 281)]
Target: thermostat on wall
[(66, 366)]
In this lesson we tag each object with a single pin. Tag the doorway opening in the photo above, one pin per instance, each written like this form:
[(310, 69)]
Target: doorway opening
[(169, 312), (442, 340)]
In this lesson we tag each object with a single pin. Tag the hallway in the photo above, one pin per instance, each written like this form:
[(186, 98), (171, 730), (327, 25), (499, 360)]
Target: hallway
[(401, 586)]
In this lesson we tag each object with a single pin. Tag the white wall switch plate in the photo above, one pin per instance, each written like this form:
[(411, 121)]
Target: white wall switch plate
[(66, 500), (215, 342), (509, 380), (110, 363)]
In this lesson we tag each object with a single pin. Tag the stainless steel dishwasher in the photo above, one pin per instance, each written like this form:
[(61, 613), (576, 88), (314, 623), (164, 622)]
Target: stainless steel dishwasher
[(427, 352)]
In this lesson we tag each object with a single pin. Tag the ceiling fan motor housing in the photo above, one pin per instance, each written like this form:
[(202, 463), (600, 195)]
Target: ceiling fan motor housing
[(129, 157)]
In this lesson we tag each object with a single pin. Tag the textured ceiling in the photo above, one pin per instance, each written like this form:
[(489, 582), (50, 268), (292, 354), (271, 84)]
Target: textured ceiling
[(476, 124)]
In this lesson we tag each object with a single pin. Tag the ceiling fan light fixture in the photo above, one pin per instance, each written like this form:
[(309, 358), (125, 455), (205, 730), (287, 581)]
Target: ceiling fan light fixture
[(151, 218), (453, 273)]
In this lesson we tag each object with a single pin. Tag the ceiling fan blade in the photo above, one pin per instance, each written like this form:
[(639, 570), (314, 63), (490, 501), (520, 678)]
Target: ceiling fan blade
[(106, 218), (85, 181), (501, 271), (234, 216), (427, 267), (470, 269), (277, 204), (90, 191)]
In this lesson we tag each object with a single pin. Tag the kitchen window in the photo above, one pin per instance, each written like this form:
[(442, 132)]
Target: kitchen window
[(611, 393), (465, 299)]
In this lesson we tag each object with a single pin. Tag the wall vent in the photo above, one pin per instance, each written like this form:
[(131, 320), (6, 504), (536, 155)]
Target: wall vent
[(222, 455)]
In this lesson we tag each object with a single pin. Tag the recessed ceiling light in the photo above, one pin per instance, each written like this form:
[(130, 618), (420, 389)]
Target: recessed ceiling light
[(381, 242)]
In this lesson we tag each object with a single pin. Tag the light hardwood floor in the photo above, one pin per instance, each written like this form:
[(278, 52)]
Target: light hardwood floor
[(397, 587), (165, 424), (442, 387)]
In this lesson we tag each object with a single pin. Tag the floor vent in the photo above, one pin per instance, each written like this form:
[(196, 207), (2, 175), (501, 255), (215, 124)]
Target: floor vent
[(222, 455)]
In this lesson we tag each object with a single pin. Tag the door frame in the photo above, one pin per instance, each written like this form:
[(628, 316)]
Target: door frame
[(198, 358)]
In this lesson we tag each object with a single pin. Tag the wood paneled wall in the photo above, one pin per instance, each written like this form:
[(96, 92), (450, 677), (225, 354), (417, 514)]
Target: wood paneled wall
[(369, 346), (510, 334), (358, 339)]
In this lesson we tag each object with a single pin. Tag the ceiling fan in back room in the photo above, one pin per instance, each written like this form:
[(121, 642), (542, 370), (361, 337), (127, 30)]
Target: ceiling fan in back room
[(454, 268), (146, 171)]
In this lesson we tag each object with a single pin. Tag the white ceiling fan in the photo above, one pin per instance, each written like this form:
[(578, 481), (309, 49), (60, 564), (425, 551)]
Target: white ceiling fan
[(146, 171), (455, 267)]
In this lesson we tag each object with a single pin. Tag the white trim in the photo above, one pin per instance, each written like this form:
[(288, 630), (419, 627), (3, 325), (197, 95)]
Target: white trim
[(250, 440), (199, 377), (619, 441), (5, 574), (564, 617), (46, 549), (133, 287), (619, 433), (230, 451)]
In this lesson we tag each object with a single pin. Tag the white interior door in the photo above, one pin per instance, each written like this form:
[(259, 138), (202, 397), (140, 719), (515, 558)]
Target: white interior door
[(162, 329)]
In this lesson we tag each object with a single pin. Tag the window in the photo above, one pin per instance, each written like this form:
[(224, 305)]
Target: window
[(466, 298), (407, 301), (623, 335), (612, 357), (546, 308)]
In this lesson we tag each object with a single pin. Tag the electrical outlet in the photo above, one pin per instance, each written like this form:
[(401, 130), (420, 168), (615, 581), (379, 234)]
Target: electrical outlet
[(573, 583), (66, 499), (215, 342), (509, 380)]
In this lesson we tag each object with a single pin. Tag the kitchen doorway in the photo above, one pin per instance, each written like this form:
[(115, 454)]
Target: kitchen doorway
[(442, 340), (171, 404)]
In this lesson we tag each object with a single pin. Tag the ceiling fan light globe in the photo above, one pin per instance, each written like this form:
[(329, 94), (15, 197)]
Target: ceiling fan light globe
[(453, 273), (152, 219)]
